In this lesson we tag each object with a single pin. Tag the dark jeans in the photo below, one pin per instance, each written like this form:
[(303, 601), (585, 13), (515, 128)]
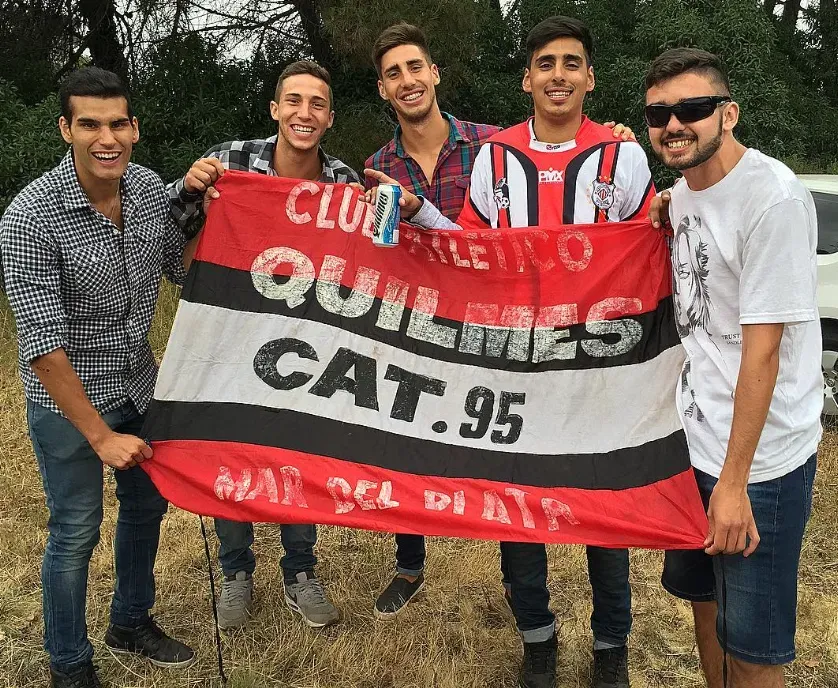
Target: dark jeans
[(410, 554), (236, 554), (524, 569), (72, 479)]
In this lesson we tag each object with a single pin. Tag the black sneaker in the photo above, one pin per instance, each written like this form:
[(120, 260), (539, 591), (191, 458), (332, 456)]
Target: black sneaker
[(151, 642), (394, 598), (83, 677), (611, 668), (538, 669)]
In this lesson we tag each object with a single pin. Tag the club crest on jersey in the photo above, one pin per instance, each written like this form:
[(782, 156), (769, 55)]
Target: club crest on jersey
[(603, 194), (501, 194), (550, 176)]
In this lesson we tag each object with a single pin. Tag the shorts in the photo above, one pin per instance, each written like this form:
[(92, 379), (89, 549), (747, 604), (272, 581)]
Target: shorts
[(761, 606)]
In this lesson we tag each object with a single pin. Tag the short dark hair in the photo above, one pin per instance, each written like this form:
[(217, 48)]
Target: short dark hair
[(91, 81), (396, 35), (679, 61), (305, 67), (559, 26)]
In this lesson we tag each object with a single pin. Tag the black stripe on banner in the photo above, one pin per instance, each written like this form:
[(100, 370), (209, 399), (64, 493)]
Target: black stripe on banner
[(227, 422), (233, 289)]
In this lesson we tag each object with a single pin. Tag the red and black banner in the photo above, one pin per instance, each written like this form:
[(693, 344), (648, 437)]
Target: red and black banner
[(508, 385)]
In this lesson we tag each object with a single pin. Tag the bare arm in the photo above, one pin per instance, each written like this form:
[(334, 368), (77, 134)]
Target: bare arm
[(61, 382), (730, 513)]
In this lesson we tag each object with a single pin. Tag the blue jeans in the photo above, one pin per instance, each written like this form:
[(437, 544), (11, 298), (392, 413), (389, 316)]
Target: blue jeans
[(72, 477), (757, 621), (524, 569), (236, 554)]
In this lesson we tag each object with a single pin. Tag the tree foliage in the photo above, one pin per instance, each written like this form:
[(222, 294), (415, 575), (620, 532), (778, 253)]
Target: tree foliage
[(204, 71)]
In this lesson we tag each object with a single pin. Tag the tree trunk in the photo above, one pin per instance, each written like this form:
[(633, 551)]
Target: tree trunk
[(177, 18), (791, 11), (104, 43), (311, 21), (828, 23)]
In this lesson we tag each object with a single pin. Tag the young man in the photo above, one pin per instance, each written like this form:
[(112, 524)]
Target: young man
[(431, 154), (303, 110), (83, 249), (744, 271), (556, 168)]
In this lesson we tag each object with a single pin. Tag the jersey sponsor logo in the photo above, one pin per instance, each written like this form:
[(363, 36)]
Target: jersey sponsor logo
[(550, 176), (501, 194), (603, 195)]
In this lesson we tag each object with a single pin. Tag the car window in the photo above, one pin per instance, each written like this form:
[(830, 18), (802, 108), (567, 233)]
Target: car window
[(827, 209)]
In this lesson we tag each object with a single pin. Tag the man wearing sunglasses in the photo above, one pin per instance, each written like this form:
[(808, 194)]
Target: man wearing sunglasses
[(744, 276), (558, 167)]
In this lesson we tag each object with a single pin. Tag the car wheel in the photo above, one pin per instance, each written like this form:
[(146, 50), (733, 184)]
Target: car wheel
[(829, 365)]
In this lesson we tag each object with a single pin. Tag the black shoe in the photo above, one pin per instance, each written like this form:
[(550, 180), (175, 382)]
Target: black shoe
[(539, 667), (84, 677), (151, 642), (394, 598), (611, 668)]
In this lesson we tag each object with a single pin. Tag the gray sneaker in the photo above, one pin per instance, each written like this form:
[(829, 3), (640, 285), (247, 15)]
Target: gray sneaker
[(308, 599), (236, 600)]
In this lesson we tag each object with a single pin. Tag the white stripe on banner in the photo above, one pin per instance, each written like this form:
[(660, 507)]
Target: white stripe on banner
[(211, 354)]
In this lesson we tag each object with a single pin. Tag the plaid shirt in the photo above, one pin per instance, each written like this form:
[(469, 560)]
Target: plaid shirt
[(75, 281), (453, 167), (247, 156)]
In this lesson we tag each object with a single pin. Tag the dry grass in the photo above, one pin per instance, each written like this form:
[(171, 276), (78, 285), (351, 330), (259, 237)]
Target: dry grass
[(458, 634)]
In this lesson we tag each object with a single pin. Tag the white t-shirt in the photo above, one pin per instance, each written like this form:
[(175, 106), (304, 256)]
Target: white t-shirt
[(744, 252)]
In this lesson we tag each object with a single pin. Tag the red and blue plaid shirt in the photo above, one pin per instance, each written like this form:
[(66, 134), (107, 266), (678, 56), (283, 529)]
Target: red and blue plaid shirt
[(453, 167)]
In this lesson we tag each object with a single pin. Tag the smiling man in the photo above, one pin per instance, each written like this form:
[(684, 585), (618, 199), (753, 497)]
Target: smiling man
[(744, 272), (432, 154), (558, 167), (303, 111), (83, 249)]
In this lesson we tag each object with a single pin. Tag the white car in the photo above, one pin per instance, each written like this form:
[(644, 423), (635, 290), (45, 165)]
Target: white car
[(824, 188)]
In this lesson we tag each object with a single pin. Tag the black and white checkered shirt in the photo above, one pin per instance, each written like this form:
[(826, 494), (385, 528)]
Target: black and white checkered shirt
[(75, 281), (247, 156)]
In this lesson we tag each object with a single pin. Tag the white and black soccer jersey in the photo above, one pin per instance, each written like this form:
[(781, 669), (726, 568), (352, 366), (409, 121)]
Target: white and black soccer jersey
[(519, 181)]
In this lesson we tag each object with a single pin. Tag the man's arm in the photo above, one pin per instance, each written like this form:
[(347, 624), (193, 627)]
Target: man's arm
[(62, 383), (186, 195), (33, 284), (414, 209), (730, 513), (476, 209)]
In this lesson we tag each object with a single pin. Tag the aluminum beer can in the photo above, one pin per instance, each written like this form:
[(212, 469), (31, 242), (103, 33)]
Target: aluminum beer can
[(385, 229)]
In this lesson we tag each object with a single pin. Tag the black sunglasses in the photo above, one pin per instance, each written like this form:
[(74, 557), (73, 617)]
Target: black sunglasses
[(688, 110)]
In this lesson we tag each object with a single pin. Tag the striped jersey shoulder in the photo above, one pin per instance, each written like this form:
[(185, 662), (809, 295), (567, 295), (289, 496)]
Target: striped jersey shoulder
[(517, 135)]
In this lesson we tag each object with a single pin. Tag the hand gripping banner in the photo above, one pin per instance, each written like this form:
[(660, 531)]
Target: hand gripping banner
[(507, 385)]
